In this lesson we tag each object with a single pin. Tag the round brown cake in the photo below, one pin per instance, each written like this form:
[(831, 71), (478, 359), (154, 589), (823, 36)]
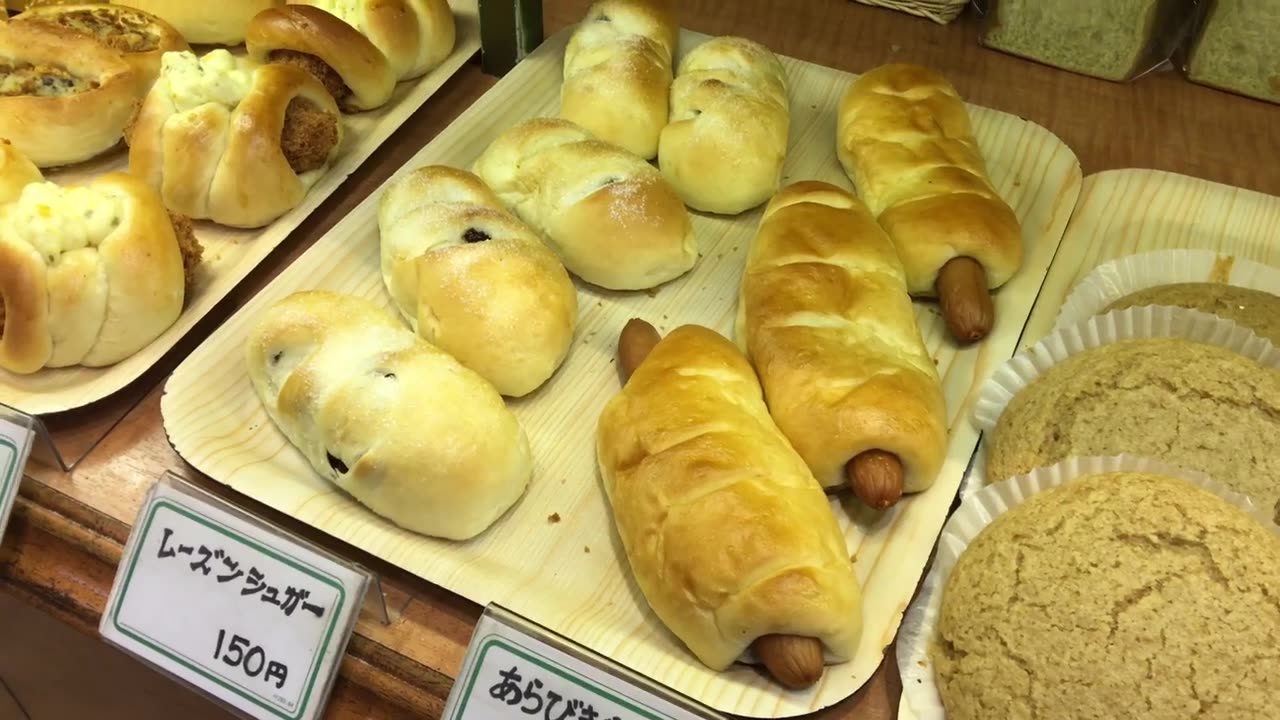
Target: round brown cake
[(1120, 595), (1254, 309)]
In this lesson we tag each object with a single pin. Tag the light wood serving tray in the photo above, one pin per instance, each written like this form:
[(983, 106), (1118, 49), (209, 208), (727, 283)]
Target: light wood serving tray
[(231, 254), (555, 557)]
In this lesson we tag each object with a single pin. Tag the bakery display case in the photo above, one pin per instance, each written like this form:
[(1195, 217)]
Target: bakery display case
[(698, 343)]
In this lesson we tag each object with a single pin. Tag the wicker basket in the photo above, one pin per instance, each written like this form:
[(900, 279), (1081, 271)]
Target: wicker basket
[(939, 11)]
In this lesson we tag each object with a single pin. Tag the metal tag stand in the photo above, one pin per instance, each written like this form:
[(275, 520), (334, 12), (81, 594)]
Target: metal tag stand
[(509, 30)]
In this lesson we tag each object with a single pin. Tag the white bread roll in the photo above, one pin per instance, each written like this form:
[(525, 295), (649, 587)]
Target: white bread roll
[(617, 72), (610, 216), (89, 275), (388, 418), (16, 172), (473, 280), (725, 145), (205, 22), (414, 35)]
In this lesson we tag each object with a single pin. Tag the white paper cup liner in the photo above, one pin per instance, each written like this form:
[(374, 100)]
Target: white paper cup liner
[(1123, 276), (979, 510)]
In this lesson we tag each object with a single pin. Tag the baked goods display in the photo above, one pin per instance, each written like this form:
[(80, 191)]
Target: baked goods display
[(904, 138), (16, 172), (1255, 309), (89, 274), (617, 72), (473, 280), (610, 216), (220, 22), (826, 319), (64, 98), (354, 72), (727, 533), (228, 140), (414, 35), (1113, 595), (356, 392), (727, 139)]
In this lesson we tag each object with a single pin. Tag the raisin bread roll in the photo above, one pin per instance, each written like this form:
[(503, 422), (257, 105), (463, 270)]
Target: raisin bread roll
[(610, 216), (473, 280), (386, 416), (724, 147), (225, 139), (617, 72), (205, 22), (414, 35)]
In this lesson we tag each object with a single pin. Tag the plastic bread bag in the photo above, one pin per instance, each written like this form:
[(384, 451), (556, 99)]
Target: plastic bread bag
[(1117, 40), (1234, 45)]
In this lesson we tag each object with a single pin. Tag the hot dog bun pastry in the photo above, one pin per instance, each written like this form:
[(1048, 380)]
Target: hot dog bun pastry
[(473, 280), (16, 172), (728, 535), (825, 317), (609, 215), (354, 72), (89, 274), (905, 140), (225, 139), (724, 147), (64, 98), (387, 417), (205, 22), (617, 72), (414, 35)]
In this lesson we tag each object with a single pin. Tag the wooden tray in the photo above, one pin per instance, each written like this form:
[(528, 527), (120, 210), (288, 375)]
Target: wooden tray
[(231, 254), (555, 558)]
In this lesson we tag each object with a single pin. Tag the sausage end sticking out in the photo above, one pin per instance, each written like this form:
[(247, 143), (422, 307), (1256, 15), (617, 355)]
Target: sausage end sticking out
[(965, 299), (876, 477), (795, 662)]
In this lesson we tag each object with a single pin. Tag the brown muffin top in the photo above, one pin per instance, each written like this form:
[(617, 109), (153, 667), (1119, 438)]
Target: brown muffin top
[(1257, 310)]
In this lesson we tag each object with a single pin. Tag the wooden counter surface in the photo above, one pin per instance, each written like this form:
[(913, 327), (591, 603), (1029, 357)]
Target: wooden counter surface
[(67, 529)]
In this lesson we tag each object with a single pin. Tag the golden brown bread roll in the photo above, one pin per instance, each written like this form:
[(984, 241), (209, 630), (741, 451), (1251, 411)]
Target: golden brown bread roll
[(728, 535), (414, 35), (826, 319), (724, 147), (16, 172), (225, 139), (473, 280), (387, 417), (610, 216), (354, 72), (64, 98), (205, 22), (905, 139), (617, 72), (89, 275)]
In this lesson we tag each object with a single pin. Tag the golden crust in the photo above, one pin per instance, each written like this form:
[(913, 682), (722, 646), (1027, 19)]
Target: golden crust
[(414, 35), (206, 22), (16, 171)]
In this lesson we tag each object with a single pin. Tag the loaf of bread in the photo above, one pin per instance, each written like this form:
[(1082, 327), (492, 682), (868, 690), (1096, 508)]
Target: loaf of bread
[(724, 147), (140, 37), (1254, 309), (1192, 405), (825, 318), (354, 72), (385, 416), (16, 172), (617, 72), (473, 280), (414, 35), (728, 535), (89, 275), (1235, 48), (205, 22), (610, 216), (225, 139), (1118, 595), (64, 98)]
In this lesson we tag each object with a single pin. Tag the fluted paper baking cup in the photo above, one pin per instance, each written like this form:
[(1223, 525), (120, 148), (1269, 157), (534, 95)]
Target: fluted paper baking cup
[(976, 512), (1113, 280)]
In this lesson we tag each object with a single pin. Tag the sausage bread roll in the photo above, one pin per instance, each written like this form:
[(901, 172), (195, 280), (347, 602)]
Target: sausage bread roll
[(414, 35)]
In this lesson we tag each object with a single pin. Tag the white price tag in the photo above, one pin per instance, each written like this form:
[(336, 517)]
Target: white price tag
[(15, 447), (515, 670), (237, 609)]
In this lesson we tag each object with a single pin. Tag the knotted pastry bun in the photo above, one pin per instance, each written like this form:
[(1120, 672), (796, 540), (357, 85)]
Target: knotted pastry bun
[(89, 275), (415, 35), (229, 140)]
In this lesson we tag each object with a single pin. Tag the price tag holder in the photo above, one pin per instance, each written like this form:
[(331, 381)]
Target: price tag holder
[(515, 669), (16, 431), (244, 612)]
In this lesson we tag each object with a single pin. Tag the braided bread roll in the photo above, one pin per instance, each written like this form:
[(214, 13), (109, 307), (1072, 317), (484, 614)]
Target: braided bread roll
[(724, 148), (617, 72), (825, 317), (610, 216), (473, 280)]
